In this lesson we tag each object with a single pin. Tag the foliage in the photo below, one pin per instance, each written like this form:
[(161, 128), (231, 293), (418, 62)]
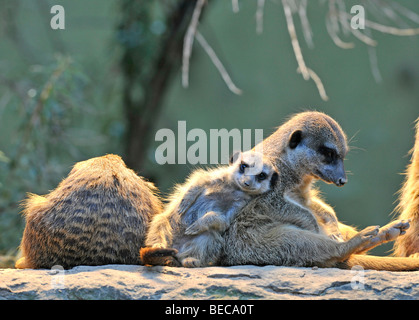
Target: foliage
[(49, 120)]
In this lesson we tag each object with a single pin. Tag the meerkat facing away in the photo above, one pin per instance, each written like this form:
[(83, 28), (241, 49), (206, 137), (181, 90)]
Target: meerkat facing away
[(408, 207), (270, 229), (98, 215), (203, 207)]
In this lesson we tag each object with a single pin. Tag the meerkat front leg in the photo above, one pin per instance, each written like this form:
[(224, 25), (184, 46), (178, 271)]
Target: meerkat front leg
[(189, 198), (327, 219), (210, 221), (365, 238), (191, 262), (389, 232)]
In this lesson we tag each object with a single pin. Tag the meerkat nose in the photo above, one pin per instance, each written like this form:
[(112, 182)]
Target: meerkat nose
[(247, 183), (342, 181)]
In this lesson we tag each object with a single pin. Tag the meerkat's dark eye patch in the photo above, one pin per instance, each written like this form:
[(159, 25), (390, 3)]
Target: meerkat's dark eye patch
[(243, 166), (329, 154), (274, 179), (262, 176)]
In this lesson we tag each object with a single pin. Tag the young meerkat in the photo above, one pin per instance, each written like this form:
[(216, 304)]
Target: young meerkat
[(272, 229), (408, 207), (202, 209)]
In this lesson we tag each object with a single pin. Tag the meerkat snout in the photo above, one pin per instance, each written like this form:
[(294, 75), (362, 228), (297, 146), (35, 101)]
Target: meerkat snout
[(341, 182), (339, 175)]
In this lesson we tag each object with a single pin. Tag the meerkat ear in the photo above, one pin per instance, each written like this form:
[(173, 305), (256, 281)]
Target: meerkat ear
[(274, 179), (295, 139), (235, 156)]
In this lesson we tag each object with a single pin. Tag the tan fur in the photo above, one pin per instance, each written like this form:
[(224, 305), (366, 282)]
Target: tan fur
[(409, 205), (98, 215), (277, 228), (201, 210)]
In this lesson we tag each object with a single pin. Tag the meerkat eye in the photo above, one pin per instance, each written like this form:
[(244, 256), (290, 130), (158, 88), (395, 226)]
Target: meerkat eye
[(329, 154), (262, 176), (242, 167)]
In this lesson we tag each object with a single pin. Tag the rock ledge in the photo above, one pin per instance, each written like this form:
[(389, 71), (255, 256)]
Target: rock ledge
[(239, 282)]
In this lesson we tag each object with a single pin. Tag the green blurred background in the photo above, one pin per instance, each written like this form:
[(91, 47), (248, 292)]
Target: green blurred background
[(61, 98)]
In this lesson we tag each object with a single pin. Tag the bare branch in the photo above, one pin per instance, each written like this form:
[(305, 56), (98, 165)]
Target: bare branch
[(367, 40), (392, 30), (385, 29), (332, 26), (345, 23), (188, 41), (338, 23), (372, 54), (259, 16), (406, 12), (308, 33), (306, 72), (318, 82), (235, 5), (217, 63), (333, 34), (294, 40)]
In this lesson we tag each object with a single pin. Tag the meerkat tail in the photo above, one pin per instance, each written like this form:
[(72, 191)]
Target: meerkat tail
[(159, 257), (382, 263)]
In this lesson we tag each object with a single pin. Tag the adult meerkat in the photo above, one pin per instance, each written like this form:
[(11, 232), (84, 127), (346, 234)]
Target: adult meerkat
[(202, 208), (98, 215), (269, 230), (408, 246)]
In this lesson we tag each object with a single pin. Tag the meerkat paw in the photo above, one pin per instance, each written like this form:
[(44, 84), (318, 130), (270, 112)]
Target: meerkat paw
[(191, 263), (337, 237), (394, 229), (369, 232), (363, 240), (193, 230), (158, 246), (382, 235), (414, 255), (183, 207)]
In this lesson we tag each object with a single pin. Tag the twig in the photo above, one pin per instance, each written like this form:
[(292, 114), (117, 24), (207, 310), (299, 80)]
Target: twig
[(393, 16), (318, 82), (259, 16), (333, 34), (294, 40), (372, 55), (235, 5), (406, 12), (345, 23), (332, 26), (392, 30), (367, 40), (188, 41), (306, 72), (386, 29), (217, 63), (308, 33)]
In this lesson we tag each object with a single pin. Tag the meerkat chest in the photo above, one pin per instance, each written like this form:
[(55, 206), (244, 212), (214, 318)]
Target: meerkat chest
[(297, 200)]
